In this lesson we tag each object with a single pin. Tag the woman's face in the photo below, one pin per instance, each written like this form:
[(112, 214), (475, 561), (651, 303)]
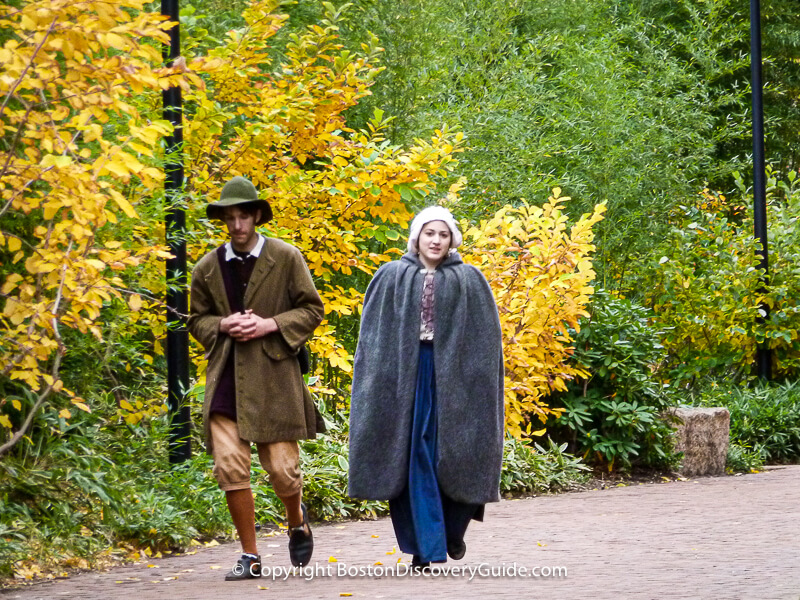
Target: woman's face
[(433, 243)]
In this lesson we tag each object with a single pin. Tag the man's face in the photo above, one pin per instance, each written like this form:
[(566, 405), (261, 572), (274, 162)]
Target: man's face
[(241, 227)]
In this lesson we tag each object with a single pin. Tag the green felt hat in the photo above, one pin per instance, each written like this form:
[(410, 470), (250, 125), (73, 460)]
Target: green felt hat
[(239, 191)]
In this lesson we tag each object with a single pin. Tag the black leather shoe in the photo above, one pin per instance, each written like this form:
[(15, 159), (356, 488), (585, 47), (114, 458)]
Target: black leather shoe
[(456, 550), (301, 542), (245, 568), (417, 565)]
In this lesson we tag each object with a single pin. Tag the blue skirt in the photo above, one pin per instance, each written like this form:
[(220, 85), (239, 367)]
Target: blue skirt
[(424, 518)]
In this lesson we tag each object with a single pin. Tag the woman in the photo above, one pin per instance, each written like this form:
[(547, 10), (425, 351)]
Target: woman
[(426, 416)]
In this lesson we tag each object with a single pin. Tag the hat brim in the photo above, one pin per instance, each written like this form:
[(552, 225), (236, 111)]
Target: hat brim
[(216, 210)]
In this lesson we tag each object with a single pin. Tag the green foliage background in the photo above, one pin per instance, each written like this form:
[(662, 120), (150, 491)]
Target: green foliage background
[(643, 103)]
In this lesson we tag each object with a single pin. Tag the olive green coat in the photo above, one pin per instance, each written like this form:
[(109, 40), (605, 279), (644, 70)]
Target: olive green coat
[(272, 401)]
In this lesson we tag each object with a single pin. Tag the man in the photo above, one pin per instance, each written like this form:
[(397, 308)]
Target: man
[(253, 306)]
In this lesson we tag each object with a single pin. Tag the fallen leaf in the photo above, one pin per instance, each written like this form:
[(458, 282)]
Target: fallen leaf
[(332, 559), (375, 535)]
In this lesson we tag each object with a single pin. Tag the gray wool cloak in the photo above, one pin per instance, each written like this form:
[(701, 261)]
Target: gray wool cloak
[(468, 362)]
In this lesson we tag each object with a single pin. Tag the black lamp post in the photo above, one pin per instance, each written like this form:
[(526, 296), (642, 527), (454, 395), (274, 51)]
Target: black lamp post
[(180, 448), (763, 354)]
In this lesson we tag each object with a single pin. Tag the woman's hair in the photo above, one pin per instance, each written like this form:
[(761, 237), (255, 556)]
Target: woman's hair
[(433, 213)]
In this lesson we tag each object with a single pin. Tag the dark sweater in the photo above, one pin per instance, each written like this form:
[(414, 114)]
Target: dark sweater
[(233, 271)]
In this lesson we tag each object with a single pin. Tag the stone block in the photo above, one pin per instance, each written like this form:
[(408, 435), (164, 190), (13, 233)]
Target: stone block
[(703, 435)]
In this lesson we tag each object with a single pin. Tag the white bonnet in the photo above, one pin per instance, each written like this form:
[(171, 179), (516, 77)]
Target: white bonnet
[(433, 213)]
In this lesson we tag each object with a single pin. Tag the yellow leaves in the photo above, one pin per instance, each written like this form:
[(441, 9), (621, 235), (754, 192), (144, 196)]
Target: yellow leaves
[(126, 207), (14, 311), (339, 161), (343, 209), (83, 119), (339, 358), (52, 160), (81, 405), (112, 40), (540, 275), (135, 302), (141, 149), (151, 133)]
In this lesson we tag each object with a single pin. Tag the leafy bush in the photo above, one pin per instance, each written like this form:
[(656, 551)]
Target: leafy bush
[(540, 269), (613, 417), (764, 419), (81, 238), (608, 99), (742, 460), (706, 288), (528, 467), (704, 294)]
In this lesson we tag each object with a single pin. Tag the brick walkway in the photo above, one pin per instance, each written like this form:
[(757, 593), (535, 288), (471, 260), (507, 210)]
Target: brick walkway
[(710, 538)]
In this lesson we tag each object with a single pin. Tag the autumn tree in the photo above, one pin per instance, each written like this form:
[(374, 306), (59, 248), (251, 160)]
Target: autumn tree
[(540, 269), (77, 152)]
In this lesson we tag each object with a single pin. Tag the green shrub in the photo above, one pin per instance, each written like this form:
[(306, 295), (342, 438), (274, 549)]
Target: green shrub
[(704, 284), (742, 460), (614, 418), (530, 468), (764, 419)]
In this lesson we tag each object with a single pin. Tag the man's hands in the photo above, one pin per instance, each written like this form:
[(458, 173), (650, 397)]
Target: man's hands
[(247, 326)]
